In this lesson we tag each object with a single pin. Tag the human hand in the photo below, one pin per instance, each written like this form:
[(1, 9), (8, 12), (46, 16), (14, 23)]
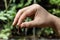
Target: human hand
[(41, 17)]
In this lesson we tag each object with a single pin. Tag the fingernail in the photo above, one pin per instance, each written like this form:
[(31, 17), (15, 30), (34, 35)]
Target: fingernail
[(18, 24), (22, 25), (12, 23)]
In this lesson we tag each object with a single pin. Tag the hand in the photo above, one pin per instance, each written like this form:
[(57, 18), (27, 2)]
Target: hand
[(41, 17)]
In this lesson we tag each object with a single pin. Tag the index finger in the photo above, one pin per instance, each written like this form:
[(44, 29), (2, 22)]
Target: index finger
[(18, 15)]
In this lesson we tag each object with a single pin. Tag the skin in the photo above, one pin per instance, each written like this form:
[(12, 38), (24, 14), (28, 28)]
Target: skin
[(41, 18)]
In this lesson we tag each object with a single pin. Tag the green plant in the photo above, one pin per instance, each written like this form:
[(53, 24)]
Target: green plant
[(56, 2), (7, 16)]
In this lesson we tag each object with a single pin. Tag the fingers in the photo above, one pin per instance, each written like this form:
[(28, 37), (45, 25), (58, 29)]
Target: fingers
[(18, 15), (28, 24), (25, 15)]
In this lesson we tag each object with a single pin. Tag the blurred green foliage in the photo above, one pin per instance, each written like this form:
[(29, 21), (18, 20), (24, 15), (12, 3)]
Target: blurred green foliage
[(56, 2), (9, 13)]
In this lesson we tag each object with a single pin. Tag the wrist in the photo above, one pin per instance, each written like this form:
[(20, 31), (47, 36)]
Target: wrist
[(56, 24)]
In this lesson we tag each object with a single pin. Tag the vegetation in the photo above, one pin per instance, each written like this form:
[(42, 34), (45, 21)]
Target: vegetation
[(7, 17)]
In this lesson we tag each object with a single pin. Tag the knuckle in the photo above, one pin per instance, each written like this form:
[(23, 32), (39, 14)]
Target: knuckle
[(19, 10), (37, 5)]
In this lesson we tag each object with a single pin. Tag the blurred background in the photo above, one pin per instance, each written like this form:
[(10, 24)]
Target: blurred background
[(8, 10)]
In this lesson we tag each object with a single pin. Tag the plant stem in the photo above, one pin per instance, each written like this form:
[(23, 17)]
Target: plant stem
[(34, 27), (6, 6), (9, 3)]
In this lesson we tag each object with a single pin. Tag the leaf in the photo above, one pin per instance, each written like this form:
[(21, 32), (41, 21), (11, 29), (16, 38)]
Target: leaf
[(3, 36), (20, 5), (3, 18), (28, 2), (56, 2)]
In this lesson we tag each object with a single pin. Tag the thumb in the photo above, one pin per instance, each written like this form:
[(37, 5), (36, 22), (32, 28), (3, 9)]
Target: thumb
[(28, 24)]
